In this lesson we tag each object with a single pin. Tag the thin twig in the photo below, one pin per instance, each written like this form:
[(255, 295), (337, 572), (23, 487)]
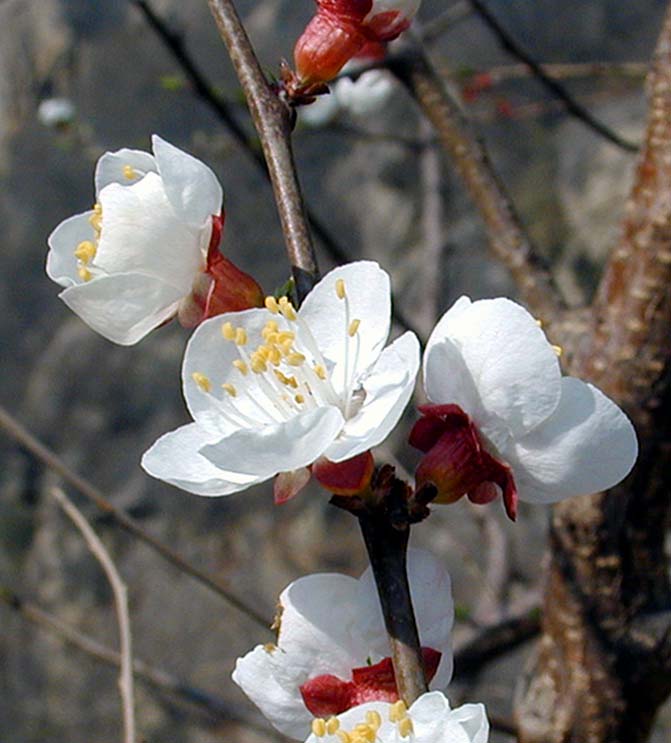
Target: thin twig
[(436, 27), (572, 106), (507, 237), (49, 458), (157, 677), (121, 606), (273, 122)]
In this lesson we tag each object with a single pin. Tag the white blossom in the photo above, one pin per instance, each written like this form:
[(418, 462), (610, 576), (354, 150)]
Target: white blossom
[(332, 625), (272, 390)]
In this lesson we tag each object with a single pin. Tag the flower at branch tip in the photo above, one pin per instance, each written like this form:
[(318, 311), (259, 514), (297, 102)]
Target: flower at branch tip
[(275, 391), (332, 649), (362, 96), (149, 248), (429, 720), (341, 28), (503, 419)]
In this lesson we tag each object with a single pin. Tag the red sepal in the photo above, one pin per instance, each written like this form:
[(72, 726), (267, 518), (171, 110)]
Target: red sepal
[(288, 484), (345, 478), (456, 462)]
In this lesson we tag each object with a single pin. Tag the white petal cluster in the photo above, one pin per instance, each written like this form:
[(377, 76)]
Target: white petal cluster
[(561, 436), (331, 624), (429, 720), (272, 390), (128, 262)]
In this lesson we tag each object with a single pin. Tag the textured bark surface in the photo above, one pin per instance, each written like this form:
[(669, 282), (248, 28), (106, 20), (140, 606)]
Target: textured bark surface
[(603, 664)]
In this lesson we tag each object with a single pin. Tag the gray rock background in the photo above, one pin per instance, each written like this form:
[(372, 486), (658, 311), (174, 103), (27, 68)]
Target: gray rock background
[(100, 406)]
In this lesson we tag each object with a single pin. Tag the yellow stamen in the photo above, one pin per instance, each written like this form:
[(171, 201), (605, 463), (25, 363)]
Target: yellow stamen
[(340, 288), (558, 350), (373, 718), (364, 732), (96, 219), (299, 399), (85, 251), (284, 336), (98, 208), (240, 365), (320, 371), (263, 352), (230, 388), (271, 304), (240, 337), (405, 727), (319, 727), (202, 380), (270, 647), (259, 366), (287, 309), (228, 331), (269, 328), (84, 273), (343, 737), (539, 323), (353, 328), (295, 359), (397, 711), (274, 356), (332, 724), (129, 172)]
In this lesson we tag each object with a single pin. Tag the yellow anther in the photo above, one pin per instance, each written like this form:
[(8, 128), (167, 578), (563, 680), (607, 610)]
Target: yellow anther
[(558, 350), (270, 648), (228, 331), (287, 309), (295, 359), (84, 273), (340, 288), (285, 348), (284, 379), (202, 380), (319, 727), (85, 251), (129, 172), (270, 337), (284, 336), (299, 399), (263, 352), (291, 381), (96, 219), (364, 732), (271, 304), (332, 724), (240, 365), (374, 719), (539, 323), (270, 327), (274, 356), (230, 388), (320, 371), (240, 337), (98, 208), (259, 365), (353, 328), (343, 737), (405, 727), (397, 711)]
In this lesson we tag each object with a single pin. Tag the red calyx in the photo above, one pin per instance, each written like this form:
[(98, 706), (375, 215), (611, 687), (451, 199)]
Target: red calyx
[(455, 461), (328, 695), (345, 478)]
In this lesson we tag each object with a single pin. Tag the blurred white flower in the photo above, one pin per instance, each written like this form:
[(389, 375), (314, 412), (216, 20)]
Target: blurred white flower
[(332, 648), (429, 720), (55, 112), (503, 417), (272, 390), (367, 94), (142, 252)]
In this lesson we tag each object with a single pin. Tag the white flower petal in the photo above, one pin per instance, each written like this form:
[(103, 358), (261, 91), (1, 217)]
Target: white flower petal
[(281, 704), (111, 167), (369, 300), (586, 446), (510, 362), (473, 719), (387, 732), (431, 592), (63, 241), (142, 233), (192, 188), (208, 353), (123, 307), (281, 447), (388, 387), (175, 458), (365, 95)]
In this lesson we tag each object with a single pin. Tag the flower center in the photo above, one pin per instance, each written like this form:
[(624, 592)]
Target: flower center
[(364, 732), (286, 373)]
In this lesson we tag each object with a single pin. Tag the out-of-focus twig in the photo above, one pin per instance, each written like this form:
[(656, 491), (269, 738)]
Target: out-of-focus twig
[(273, 122), (42, 453), (634, 71), (157, 677), (436, 27), (572, 106), (120, 594), (507, 237)]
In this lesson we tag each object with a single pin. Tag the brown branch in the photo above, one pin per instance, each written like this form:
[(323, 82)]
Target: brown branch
[(506, 235), (574, 108), (604, 666), (43, 454), (273, 122)]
